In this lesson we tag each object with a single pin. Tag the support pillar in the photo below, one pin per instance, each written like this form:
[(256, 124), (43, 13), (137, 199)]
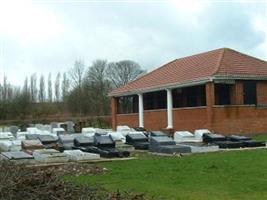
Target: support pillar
[(169, 109), (210, 101), (141, 110), (114, 110)]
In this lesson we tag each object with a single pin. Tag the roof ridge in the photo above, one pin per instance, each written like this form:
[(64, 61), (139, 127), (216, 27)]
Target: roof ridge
[(217, 68), (243, 54)]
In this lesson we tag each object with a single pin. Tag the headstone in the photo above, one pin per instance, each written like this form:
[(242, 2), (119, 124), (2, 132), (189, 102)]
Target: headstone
[(39, 126), (199, 133), (50, 156), (124, 130), (166, 145), (141, 129), (18, 155), (199, 147), (83, 141), (158, 134), (14, 130), (6, 136), (237, 138), (78, 155), (32, 130), (31, 136), (254, 143), (66, 142), (70, 127), (185, 136), (136, 137), (58, 131), (117, 136), (104, 141), (10, 145), (48, 140), (121, 146), (211, 138), (21, 135), (30, 145), (229, 144)]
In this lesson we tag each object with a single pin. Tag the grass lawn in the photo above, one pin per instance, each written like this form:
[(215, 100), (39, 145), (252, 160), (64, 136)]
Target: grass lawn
[(260, 137), (221, 175)]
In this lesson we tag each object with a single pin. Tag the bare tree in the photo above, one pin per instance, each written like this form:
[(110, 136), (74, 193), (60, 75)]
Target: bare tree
[(57, 86), (33, 82), (49, 88), (26, 85), (64, 86), (122, 72), (42, 89), (5, 89), (76, 74), (76, 79), (98, 87)]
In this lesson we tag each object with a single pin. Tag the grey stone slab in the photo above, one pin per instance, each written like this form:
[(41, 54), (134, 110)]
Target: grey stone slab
[(50, 155), (78, 155), (157, 134), (31, 136), (83, 141), (161, 140), (17, 155), (199, 147), (47, 139)]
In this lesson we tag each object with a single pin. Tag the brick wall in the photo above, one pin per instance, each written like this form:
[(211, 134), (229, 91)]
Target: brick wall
[(234, 119), (262, 93), (128, 119), (239, 120), (226, 119), (184, 119)]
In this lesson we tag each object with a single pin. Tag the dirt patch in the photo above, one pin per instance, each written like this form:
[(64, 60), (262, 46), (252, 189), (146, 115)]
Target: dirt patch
[(20, 182)]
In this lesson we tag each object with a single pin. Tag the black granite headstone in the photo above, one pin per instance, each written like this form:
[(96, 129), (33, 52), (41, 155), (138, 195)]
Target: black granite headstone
[(229, 144), (83, 141), (136, 137), (47, 139), (104, 141), (210, 137), (254, 143), (237, 138)]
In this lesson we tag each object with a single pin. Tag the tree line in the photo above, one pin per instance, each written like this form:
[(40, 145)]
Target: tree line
[(80, 91)]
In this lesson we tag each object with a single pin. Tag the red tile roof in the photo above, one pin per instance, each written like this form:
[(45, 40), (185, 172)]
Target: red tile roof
[(204, 66)]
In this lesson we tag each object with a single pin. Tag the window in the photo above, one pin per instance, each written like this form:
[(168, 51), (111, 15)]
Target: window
[(189, 97), (223, 94), (128, 104), (250, 93), (155, 100)]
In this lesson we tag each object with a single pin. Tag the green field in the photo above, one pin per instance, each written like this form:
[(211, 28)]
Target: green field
[(221, 175)]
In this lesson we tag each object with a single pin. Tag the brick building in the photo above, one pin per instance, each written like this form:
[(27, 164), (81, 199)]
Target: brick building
[(222, 90)]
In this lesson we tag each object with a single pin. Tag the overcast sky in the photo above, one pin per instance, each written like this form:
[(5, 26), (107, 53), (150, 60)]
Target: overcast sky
[(48, 36)]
